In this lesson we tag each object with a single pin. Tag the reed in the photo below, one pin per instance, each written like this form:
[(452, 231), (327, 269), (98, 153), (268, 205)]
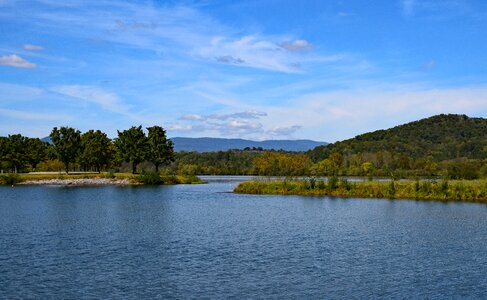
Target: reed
[(454, 190)]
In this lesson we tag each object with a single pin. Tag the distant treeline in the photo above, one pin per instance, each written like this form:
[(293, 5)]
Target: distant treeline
[(447, 146), (279, 163)]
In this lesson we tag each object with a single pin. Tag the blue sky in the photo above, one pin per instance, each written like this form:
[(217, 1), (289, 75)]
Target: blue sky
[(267, 69)]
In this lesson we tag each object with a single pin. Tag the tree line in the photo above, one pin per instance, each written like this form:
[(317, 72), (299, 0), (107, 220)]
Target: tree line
[(92, 150), (368, 164)]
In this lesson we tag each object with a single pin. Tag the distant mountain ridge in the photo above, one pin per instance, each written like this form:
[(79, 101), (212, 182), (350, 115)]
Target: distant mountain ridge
[(206, 144)]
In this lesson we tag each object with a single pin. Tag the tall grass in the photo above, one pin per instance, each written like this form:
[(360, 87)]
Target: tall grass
[(455, 190)]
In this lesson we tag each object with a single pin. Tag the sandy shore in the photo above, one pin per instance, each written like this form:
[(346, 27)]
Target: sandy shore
[(79, 181)]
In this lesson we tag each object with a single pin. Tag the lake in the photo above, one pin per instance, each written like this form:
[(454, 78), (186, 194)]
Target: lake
[(202, 241)]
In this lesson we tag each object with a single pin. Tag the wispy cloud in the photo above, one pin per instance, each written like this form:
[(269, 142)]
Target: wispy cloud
[(32, 116), (435, 9), (16, 61), (31, 47), (251, 114), (284, 131), (429, 65), (296, 45), (408, 7), (13, 93), (107, 100), (258, 52)]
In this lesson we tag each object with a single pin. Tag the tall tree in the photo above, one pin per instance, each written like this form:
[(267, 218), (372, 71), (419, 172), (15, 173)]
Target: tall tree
[(132, 146), (3, 151), (36, 151), (15, 154), (161, 149), (66, 141), (96, 149)]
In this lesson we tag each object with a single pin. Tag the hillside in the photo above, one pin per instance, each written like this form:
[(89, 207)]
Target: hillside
[(440, 137), (219, 144)]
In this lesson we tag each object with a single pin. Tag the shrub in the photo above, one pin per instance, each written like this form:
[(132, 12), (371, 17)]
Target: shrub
[(152, 178), (332, 183), (10, 179)]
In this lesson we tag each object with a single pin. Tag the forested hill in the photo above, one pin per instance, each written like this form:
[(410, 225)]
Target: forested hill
[(440, 137), (221, 144)]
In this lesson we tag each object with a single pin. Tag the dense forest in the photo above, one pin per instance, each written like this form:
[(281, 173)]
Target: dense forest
[(450, 146), (454, 146), (440, 137)]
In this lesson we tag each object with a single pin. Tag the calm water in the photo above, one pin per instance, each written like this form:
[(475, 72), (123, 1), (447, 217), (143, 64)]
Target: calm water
[(200, 241)]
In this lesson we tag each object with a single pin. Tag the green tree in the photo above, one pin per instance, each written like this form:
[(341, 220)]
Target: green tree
[(132, 146), (15, 152), (3, 151), (66, 141), (161, 149), (96, 149), (36, 151)]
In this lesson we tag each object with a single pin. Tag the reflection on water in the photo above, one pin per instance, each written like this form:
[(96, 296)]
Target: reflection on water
[(201, 240)]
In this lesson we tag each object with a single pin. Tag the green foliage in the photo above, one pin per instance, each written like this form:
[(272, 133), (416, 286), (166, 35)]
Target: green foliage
[(391, 188), (132, 146), (151, 178), (453, 146), (442, 137), (14, 153), (36, 152), (332, 183), (460, 190), (231, 162), (281, 164), (96, 150), (160, 149), (66, 141), (10, 179)]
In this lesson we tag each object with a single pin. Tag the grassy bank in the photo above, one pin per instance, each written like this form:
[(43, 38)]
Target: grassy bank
[(146, 178), (454, 190)]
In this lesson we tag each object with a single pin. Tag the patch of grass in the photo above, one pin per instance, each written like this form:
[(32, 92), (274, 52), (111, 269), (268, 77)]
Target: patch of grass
[(156, 178), (455, 190)]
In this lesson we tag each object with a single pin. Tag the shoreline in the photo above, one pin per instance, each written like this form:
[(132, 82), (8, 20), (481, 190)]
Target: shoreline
[(81, 182), (118, 179)]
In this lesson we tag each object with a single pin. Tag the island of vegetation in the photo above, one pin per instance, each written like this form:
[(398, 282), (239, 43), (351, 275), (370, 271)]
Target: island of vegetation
[(442, 158), (83, 157)]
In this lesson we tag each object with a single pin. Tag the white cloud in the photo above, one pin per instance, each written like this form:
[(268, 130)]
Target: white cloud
[(16, 61), (296, 45), (31, 47), (107, 100), (233, 124)]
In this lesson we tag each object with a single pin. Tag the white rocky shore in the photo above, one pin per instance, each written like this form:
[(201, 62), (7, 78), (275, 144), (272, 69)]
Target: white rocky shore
[(80, 181)]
